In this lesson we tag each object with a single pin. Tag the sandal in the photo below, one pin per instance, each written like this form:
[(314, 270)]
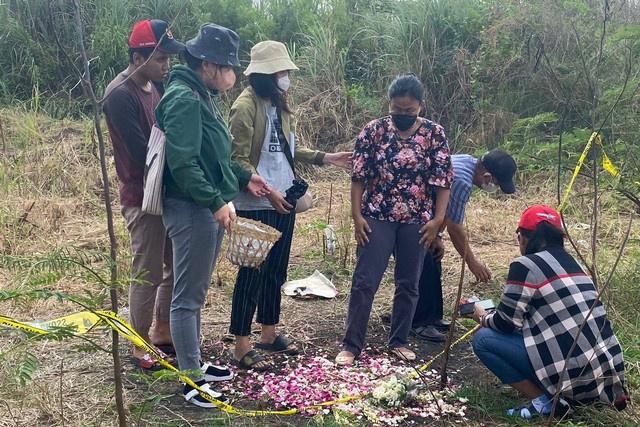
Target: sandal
[(403, 353), (171, 360), (249, 360), (147, 363), (166, 348), (345, 358), (279, 345)]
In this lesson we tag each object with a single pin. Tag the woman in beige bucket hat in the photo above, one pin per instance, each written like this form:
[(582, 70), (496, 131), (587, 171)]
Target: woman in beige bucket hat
[(262, 127)]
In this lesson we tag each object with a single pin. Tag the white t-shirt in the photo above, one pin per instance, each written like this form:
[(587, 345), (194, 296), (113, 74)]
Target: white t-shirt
[(273, 166)]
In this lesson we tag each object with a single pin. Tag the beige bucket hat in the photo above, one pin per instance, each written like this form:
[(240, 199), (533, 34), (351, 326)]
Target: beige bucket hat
[(269, 57)]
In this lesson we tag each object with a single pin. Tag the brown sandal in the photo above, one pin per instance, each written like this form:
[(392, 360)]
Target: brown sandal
[(345, 358), (403, 353)]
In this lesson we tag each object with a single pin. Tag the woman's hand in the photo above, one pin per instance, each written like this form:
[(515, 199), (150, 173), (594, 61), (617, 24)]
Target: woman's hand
[(279, 203), (258, 186), (430, 232), (362, 230), (341, 159), (224, 216), (478, 312)]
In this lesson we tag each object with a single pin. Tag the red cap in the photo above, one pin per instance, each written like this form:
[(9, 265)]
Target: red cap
[(152, 33), (534, 215)]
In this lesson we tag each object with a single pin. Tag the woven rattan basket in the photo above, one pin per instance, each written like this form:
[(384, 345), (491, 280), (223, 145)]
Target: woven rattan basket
[(250, 242)]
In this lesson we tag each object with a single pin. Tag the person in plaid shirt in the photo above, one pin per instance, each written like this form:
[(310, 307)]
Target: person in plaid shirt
[(549, 303)]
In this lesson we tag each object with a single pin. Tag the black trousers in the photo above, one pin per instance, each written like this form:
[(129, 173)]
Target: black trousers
[(259, 289), (430, 305)]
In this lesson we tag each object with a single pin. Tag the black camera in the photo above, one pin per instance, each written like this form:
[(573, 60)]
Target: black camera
[(296, 191)]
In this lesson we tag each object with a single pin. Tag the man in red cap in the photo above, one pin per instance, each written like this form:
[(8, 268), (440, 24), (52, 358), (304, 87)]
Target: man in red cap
[(130, 102)]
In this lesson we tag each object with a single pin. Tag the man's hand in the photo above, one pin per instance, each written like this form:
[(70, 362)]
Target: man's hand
[(481, 271), (437, 250), (258, 186), (341, 159), (429, 232), (224, 216), (279, 203), (362, 230)]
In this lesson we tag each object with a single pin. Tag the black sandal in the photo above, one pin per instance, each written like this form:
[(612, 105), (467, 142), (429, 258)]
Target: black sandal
[(280, 345), (249, 360)]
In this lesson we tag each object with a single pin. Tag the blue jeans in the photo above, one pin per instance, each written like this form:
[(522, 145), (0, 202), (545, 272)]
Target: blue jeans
[(505, 355), (196, 239)]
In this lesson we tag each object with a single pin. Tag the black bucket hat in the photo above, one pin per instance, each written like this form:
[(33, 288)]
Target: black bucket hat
[(215, 44)]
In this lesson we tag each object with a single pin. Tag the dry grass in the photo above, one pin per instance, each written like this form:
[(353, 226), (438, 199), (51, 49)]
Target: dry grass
[(42, 210)]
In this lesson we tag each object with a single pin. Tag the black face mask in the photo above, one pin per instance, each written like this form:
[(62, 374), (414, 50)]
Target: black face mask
[(404, 121)]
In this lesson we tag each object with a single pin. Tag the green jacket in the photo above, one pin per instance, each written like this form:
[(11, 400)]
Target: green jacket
[(198, 147), (248, 124)]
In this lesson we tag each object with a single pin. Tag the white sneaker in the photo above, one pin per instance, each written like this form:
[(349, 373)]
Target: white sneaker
[(215, 373), (192, 395)]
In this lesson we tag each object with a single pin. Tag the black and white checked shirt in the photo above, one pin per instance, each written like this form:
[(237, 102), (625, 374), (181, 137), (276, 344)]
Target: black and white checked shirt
[(547, 297)]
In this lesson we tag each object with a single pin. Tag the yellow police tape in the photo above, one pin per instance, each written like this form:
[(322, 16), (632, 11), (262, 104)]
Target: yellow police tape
[(607, 164), (83, 322)]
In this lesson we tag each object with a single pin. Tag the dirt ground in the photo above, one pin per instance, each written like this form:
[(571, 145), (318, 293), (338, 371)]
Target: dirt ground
[(317, 325), (72, 387)]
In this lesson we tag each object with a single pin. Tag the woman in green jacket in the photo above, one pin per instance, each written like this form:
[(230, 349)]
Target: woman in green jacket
[(199, 180), (261, 124)]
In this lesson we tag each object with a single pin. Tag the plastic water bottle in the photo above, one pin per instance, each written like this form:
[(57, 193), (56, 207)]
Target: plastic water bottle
[(330, 238)]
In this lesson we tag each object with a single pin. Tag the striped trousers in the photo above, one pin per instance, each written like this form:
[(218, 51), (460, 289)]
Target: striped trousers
[(259, 289)]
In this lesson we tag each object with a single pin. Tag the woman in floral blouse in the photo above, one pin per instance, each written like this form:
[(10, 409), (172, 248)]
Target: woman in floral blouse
[(401, 163)]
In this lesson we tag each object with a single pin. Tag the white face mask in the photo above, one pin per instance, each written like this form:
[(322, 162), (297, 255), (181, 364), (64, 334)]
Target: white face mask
[(284, 83), (489, 187)]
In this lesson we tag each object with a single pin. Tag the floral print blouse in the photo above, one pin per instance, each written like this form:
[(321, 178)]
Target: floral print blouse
[(399, 173)]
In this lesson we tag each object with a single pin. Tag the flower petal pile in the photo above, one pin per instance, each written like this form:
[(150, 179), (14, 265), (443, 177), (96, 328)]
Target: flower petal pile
[(387, 396)]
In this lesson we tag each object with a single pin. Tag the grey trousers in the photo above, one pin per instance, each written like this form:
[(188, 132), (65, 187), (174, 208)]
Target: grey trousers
[(372, 260), (151, 268), (196, 239)]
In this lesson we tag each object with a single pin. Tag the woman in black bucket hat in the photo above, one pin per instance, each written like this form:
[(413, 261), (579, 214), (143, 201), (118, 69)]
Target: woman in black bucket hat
[(200, 179)]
